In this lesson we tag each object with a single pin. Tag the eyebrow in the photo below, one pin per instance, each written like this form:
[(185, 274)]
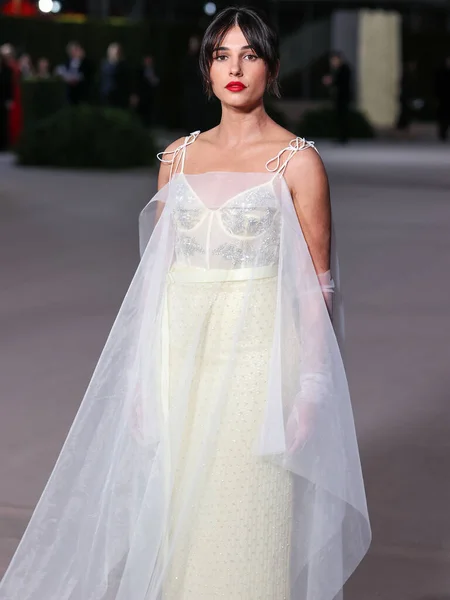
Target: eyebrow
[(225, 48)]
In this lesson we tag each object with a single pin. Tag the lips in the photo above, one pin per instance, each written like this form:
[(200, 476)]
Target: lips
[(235, 86)]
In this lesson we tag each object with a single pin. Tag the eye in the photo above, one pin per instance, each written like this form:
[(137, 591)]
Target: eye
[(251, 57), (220, 57)]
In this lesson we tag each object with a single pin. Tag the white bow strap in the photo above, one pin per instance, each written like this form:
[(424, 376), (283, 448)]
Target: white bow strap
[(178, 155), (295, 146)]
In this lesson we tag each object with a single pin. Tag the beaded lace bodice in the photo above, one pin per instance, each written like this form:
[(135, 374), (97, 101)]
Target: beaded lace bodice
[(227, 220), (243, 232)]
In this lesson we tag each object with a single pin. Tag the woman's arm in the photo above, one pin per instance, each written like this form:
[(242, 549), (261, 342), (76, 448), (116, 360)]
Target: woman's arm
[(308, 183)]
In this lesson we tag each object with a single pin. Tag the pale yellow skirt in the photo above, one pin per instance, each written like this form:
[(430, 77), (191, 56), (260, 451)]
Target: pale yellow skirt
[(234, 544)]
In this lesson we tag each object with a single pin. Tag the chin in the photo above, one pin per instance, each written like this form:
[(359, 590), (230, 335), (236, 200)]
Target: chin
[(242, 101)]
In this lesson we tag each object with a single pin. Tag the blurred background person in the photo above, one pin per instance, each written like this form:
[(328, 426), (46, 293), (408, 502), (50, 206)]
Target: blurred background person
[(6, 101), (43, 68), (15, 113), (26, 66), (408, 95), (147, 83), (194, 100), (442, 89), (77, 74), (115, 78), (339, 81)]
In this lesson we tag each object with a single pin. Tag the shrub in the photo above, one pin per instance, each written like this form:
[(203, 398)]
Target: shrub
[(322, 123), (87, 137), (41, 98)]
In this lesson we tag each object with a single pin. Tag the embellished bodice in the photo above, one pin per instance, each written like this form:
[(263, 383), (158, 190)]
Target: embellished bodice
[(226, 220), (242, 231)]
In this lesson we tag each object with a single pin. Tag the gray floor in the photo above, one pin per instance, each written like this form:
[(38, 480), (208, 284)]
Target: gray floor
[(68, 248)]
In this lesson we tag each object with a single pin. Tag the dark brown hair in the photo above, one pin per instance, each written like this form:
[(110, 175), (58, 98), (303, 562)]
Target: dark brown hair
[(258, 32)]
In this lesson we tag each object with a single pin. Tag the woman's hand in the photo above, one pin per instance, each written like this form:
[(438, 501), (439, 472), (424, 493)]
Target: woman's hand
[(299, 425)]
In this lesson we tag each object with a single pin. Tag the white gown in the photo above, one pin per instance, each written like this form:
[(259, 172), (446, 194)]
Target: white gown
[(176, 481)]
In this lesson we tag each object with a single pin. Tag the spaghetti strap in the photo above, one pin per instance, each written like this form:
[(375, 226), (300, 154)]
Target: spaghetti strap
[(294, 146), (178, 155)]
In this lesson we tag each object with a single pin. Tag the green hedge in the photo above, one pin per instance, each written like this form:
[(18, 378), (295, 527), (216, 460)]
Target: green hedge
[(322, 123), (41, 99), (87, 137)]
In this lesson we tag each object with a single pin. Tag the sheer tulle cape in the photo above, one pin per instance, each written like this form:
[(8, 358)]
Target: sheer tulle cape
[(99, 530)]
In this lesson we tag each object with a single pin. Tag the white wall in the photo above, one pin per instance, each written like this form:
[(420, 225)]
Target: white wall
[(371, 42), (379, 65)]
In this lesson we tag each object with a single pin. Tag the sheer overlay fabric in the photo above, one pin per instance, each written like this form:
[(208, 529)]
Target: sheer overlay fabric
[(214, 454)]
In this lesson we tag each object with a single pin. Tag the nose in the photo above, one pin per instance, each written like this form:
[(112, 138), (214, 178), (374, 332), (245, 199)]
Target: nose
[(235, 67)]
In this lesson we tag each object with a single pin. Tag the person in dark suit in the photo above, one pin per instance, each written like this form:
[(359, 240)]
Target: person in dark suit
[(147, 82), (6, 101), (115, 79), (340, 83), (77, 74), (408, 94), (442, 90)]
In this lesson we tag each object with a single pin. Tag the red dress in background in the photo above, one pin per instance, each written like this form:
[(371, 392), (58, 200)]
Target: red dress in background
[(25, 8), (15, 113)]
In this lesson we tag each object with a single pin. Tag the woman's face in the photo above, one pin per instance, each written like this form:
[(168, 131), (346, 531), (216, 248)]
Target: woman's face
[(238, 75)]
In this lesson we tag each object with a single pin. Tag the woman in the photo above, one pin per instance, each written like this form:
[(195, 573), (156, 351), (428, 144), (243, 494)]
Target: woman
[(214, 455), (6, 100), (15, 112)]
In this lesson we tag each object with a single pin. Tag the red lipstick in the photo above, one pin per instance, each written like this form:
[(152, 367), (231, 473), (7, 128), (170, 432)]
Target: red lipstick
[(235, 86)]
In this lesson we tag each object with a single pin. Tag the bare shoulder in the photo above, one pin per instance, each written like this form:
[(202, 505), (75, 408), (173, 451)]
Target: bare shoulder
[(283, 139), (306, 173), (307, 153), (165, 166), (173, 146)]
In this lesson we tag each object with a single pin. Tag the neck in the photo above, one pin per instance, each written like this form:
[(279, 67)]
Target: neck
[(238, 126)]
